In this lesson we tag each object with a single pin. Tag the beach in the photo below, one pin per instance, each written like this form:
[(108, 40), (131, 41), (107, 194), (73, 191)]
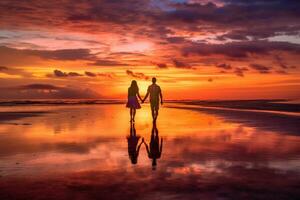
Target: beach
[(81, 150)]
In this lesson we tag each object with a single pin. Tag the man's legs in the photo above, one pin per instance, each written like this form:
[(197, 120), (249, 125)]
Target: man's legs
[(154, 110)]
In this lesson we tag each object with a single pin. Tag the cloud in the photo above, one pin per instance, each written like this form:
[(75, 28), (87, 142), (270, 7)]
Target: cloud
[(103, 62), (110, 75), (239, 71), (281, 72), (47, 91), (260, 68), (14, 71), (38, 86), (63, 54), (282, 63), (224, 66), (181, 64), (59, 73), (175, 39), (162, 65), (240, 49), (3, 68), (136, 32), (91, 74), (137, 75)]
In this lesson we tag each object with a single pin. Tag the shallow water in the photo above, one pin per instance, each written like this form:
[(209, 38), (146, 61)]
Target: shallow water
[(82, 151)]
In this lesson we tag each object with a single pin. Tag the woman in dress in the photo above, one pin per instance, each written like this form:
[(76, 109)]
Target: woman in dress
[(133, 103)]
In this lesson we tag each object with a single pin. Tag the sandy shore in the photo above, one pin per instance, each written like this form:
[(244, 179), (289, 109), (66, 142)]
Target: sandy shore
[(272, 121), (8, 116), (82, 151)]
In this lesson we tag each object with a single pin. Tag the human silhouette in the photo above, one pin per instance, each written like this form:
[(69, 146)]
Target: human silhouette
[(133, 147), (155, 95), (133, 103), (155, 150)]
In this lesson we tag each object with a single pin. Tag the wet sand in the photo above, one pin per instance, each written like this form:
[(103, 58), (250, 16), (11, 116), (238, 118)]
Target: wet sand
[(81, 152)]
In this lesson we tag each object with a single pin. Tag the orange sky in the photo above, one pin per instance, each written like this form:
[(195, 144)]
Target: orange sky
[(196, 49)]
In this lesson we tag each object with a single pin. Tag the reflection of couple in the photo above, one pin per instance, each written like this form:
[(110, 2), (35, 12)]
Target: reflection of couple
[(133, 95), (155, 150)]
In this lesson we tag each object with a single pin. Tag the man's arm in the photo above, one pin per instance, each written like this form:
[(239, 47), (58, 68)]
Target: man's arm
[(148, 91), (161, 97)]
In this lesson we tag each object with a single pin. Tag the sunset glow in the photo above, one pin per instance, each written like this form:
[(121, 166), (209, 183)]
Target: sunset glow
[(216, 49)]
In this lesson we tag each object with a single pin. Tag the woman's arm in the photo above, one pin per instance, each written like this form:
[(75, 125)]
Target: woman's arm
[(139, 96)]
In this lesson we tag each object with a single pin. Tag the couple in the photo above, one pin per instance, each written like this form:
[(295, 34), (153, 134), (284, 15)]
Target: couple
[(133, 95)]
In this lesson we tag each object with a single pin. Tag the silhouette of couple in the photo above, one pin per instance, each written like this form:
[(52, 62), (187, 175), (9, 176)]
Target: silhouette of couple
[(133, 95), (155, 150)]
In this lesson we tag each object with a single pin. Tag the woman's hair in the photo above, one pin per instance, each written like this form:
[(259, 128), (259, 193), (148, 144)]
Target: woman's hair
[(134, 85)]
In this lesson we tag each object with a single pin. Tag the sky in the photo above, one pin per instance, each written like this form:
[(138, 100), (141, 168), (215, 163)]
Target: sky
[(197, 49)]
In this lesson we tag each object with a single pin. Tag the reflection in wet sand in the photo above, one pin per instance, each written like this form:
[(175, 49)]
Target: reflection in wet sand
[(83, 151), (133, 144), (155, 150)]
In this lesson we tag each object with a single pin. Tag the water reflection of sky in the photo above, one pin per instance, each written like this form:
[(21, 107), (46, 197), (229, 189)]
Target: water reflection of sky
[(200, 150)]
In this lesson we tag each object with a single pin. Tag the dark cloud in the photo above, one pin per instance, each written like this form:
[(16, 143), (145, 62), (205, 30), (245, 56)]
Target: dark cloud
[(224, 66), (74, 74), (110, 75), (137, 75), (63, 54), (181, 64), (38, 86), (103, 62), (162, 65), (233, 36), (14, 71), (157, 19), (172, 25), (47, 91), (240, 49), (59, 73), (281, 72), (127, 54), (239, 71), (91, 74), (260, 68), (3, 68), (175, 39), (282, 63)]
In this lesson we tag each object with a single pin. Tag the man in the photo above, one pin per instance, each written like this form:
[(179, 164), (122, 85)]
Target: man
[(155, 95)]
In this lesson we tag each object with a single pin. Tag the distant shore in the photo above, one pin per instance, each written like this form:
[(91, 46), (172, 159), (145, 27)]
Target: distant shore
[(270, 105)]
